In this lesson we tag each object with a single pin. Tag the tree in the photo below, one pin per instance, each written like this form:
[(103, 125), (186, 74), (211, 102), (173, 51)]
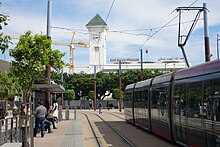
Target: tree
[(31, 55), (91, 95), (69, 96), (4, 39), (8, 86), (116, 93)]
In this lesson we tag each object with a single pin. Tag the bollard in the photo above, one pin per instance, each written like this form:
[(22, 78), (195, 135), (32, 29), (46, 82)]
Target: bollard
[(11, 135), (32, 130), (67, 114), (75, 112)]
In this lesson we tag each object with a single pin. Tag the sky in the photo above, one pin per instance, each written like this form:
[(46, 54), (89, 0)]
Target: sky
[(133, 25)]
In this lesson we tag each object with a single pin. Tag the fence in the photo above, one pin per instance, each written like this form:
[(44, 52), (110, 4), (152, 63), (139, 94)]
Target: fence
[(10, 130), (85, 104)]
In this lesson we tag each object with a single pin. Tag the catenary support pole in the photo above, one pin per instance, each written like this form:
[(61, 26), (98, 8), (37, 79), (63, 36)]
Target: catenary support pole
[(141, 65), (48, 68), (120, 99), (206, 35), (218, 38), (94, 102)]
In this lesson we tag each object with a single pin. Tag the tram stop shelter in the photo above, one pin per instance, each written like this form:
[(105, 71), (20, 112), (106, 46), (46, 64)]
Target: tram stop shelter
[(48, 88)]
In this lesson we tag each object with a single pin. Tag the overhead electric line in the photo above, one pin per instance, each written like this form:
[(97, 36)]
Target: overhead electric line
[(159, 29)]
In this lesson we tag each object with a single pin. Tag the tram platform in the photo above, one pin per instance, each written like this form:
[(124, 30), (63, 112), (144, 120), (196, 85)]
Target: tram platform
[(76, 132), (68, 134)]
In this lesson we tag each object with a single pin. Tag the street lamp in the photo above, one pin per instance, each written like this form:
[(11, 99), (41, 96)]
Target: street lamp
[(218, 38)]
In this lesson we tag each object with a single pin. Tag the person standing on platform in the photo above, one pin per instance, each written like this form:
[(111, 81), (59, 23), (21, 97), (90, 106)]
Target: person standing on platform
[(55, 111), (40, 114), (23, 124), (100, 108)]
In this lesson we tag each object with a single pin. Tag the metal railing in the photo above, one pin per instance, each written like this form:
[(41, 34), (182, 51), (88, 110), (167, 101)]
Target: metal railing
[(10, 130)]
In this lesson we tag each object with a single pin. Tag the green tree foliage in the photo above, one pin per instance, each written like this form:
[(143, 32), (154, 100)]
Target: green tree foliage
[(104, 82), (91, 95), (8, 86), (116, 93), (69, 96), (4, 39), (31, 54)]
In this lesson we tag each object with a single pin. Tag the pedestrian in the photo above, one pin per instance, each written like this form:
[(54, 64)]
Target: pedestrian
[(55, 111), (90, 105), (40, 114), (23, 124), (2, 114), (51, 118), (107, 105), (100, 108)]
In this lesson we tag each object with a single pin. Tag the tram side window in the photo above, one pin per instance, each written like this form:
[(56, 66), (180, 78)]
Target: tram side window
[(140, 96), (216, 99), (136, 96), (209, 96), (155, 96), (145, 96), (180, 99), (194, 99), (194, 104)]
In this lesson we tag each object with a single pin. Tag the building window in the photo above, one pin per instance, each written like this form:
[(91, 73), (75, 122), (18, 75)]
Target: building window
[(96, 48)]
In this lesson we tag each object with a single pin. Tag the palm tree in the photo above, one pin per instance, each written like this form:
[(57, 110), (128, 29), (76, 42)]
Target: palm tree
[(8, 87)]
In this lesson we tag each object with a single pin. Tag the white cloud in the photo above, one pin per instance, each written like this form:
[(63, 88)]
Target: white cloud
[(125, 15)]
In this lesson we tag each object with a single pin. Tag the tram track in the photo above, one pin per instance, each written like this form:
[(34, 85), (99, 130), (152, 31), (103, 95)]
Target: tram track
[(115, 115), (117, 132), (107, 126), (119, 138), (93, 131)]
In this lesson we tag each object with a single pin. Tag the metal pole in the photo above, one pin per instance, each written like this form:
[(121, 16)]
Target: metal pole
[(48, 68), (141, 65), (120, 99), (207, 46), (94, 105), (62, 95), (218, 46), (75, 112)]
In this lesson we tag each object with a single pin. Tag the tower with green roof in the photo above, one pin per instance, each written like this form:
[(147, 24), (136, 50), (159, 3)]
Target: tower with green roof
[(97, 37)]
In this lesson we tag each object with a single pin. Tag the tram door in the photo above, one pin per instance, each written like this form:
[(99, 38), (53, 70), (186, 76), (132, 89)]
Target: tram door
[(180, 122)]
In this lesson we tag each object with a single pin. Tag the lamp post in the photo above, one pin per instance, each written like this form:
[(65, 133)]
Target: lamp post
[(218, 38)]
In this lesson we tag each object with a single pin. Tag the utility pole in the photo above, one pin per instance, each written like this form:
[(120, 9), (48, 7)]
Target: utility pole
[(94, 102), (206, 34), (141, 65), (62, 96), (48, 68), (218, 38), (120, 99)]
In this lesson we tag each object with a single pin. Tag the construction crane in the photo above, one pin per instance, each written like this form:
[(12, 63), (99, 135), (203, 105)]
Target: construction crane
[(72, 48)]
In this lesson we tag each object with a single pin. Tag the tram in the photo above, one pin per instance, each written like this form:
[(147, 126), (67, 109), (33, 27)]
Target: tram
[(182, 106)]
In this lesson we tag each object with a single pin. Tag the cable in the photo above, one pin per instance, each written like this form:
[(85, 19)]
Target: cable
[(159, 29), (102, 30)]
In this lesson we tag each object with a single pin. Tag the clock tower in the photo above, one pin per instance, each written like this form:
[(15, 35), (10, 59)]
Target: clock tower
[(97, 40)]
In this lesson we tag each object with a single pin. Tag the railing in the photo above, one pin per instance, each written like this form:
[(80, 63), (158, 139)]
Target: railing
[(10, 130)]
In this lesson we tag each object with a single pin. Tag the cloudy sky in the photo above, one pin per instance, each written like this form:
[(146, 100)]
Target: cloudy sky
[(133, 24)]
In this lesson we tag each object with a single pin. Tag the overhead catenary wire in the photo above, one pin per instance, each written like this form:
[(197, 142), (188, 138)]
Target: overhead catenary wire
[(104, 25), (159, 29)]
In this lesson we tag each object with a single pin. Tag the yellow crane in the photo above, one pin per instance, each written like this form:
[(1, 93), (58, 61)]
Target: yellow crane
[(72, 48)]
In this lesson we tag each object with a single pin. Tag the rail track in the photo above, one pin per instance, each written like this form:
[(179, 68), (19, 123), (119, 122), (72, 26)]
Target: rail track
[(115, 131)]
